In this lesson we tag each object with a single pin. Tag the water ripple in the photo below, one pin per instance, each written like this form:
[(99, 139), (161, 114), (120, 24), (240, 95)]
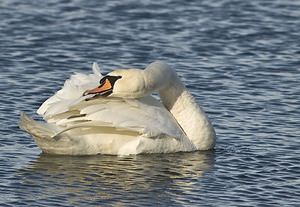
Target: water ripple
[(240, 59)]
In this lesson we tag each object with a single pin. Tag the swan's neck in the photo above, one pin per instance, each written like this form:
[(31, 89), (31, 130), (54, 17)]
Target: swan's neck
[(192, 119), (188, 114)]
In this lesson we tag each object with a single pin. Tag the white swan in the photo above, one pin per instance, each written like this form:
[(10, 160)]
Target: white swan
[(120, 117)]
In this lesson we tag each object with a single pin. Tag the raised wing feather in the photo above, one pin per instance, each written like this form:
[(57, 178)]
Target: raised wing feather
[(71, 93)]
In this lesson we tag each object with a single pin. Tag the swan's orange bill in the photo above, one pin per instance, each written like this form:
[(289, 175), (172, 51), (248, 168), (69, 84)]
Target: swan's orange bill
[(106, 86)]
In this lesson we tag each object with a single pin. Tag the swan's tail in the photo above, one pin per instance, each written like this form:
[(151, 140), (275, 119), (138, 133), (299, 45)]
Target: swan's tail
[(42, 134), (52, 139), (36, 129)]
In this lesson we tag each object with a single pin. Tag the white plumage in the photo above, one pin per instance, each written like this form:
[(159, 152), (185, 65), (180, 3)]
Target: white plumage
[(128, 121)]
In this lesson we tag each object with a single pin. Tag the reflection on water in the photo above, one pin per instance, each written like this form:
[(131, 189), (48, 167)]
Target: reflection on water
[(113, 179)]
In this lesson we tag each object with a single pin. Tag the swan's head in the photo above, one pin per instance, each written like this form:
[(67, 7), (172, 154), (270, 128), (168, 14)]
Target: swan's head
[(121, 83), (133, 83)]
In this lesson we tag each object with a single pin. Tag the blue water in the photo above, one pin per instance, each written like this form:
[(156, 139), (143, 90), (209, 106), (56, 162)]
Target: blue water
[(240, 59)]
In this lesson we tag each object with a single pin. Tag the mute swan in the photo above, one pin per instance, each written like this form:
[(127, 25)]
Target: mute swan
[(120, 116)]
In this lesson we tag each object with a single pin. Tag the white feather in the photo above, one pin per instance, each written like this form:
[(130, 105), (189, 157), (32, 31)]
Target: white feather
[(96, 69)]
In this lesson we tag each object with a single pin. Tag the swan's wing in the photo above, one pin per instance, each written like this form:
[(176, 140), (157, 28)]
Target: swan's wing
[(147, 116), (69, 109), (71, 93)]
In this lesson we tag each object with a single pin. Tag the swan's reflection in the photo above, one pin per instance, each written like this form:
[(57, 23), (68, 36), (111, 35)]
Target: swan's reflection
[(160, 178)]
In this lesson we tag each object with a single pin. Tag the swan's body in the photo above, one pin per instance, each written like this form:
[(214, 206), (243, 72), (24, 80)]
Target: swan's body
[(128, 121)]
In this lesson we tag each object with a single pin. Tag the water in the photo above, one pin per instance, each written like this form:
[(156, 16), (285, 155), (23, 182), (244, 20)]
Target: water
[(240, 59)]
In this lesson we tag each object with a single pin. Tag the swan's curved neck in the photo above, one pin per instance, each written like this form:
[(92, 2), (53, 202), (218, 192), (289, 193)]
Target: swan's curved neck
[(187, 112)]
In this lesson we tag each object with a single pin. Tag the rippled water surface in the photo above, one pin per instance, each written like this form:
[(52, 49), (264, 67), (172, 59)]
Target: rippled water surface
[(240, 59)]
